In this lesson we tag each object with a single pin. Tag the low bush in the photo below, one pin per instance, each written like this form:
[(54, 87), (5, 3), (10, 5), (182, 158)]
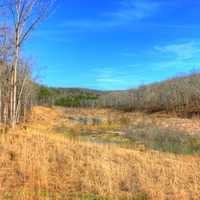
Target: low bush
[(165, 139)]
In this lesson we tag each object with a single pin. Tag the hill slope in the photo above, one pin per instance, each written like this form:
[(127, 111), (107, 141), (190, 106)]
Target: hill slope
[(178, 95), (38, 163)]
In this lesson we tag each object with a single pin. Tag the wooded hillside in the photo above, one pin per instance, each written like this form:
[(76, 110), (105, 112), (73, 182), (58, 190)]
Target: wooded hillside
[(180, 95), (68, 97)]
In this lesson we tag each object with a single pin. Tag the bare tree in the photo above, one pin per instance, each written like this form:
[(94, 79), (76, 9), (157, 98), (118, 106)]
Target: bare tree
[(26, 15)]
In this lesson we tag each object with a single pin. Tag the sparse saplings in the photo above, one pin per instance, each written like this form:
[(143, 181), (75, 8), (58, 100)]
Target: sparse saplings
[(18, 19), (25, 15)]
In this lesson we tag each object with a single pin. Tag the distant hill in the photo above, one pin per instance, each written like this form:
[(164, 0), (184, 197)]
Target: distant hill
[(179, 95), (76, 91), (69, 97)]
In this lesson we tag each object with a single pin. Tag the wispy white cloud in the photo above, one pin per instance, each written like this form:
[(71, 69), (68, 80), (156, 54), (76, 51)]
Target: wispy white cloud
[(127, 12), (186, 50), (135, 10), (166, 60), (176, 57), (108, 75), (107, 78), (124, 14), (124, 77)]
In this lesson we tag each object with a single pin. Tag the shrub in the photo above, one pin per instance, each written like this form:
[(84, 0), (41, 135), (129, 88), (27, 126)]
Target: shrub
[(165, 139)]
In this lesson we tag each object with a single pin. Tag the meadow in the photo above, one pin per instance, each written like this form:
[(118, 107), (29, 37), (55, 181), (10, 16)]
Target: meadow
[(96, 154)]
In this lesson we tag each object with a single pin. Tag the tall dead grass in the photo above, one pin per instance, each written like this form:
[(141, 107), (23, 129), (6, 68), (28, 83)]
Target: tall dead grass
[(38, 165)]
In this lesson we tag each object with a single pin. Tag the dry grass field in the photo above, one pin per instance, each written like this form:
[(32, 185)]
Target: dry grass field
[(43, 159)]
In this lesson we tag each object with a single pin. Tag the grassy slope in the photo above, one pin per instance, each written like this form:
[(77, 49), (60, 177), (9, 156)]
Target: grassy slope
[(36, 164)]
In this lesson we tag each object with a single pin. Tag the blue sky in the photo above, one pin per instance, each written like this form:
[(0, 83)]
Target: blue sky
[(116, 44)]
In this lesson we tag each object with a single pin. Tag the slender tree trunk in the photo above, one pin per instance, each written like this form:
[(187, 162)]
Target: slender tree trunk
[(10, 117), (18, 103), (14, 83), (0, 105)]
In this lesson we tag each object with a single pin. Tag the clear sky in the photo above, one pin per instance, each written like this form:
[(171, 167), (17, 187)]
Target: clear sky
[(116, 44)]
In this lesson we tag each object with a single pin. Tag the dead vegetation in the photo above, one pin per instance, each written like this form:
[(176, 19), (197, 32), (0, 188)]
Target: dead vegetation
[(36, 163)]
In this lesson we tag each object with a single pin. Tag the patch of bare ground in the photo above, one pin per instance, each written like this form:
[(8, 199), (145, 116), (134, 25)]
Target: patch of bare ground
[(37, 164)]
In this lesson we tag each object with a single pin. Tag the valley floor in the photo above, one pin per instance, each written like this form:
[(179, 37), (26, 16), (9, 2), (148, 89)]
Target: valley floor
[(83, 154)]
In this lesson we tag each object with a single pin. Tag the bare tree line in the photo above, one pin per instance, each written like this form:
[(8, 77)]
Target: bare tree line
[(179, 95), (18, 19)]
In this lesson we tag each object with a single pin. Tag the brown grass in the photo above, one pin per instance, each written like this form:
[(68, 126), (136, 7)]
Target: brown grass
[(36, 164)]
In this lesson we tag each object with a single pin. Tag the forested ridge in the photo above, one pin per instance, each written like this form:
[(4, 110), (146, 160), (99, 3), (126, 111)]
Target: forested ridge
[(180, 95), (69, 97)]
